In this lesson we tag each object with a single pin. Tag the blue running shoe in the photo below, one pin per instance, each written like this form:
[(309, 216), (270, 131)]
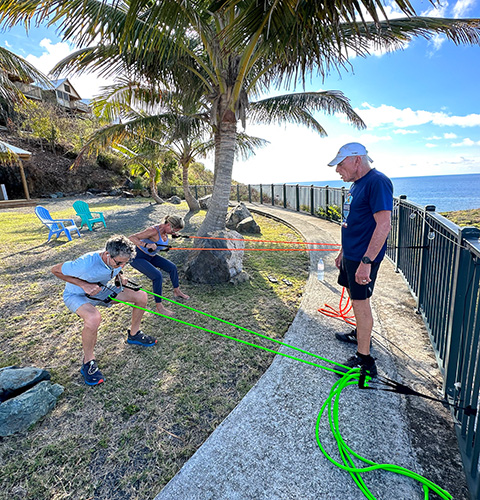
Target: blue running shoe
[(91, 373), (141, 339)]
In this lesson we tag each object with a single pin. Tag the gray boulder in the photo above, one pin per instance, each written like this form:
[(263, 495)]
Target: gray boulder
[(26, 395), (205, 202), (14, 380), (19, 413), (248, 225), (235, 216), (175, 200), (211, 266)]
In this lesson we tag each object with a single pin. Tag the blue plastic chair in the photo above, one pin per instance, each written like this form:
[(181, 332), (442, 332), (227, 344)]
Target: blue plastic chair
[(56, 226), (83, 211)]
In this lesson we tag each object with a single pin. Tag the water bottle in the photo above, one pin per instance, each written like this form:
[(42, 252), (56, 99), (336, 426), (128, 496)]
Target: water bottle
[(321, 270)]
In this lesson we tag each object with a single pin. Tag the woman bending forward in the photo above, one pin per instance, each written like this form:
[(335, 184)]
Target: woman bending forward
[(149, 242)]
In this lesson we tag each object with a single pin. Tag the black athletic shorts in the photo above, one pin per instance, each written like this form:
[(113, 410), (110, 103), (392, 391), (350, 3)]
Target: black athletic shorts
[(346, 278)]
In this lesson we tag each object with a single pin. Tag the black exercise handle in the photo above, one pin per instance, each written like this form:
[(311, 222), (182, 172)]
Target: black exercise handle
[(160, 248)]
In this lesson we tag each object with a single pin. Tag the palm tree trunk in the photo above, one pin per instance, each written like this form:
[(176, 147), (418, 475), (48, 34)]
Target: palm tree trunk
[(225, 141), (192, 203), (153, 187)]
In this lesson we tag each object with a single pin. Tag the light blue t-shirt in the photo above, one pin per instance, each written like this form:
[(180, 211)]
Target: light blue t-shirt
[(89, 267)]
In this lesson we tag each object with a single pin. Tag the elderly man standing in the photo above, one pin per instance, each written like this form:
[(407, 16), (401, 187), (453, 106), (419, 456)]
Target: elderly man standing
[(365, 227)]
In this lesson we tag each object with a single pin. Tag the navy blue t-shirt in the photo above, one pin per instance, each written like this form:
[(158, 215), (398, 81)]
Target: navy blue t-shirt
[(367, 196)]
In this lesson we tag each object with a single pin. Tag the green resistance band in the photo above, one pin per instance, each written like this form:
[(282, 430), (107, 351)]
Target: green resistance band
[(351, 378)]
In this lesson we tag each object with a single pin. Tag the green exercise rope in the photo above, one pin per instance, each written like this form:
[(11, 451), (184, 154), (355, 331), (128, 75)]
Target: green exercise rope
[(331, 404)]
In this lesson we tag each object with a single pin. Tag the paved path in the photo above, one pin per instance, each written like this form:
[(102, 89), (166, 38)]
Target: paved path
[(266, 448)]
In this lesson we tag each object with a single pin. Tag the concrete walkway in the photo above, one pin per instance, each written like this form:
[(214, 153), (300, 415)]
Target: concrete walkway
[(266, 448)]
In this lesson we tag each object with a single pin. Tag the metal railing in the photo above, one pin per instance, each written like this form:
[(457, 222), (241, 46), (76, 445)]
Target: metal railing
[(440, 262)]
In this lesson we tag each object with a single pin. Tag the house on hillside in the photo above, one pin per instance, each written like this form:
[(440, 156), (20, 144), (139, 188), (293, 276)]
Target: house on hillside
[(62, 93)]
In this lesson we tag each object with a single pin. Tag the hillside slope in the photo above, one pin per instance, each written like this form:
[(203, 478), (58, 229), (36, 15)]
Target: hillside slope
[(49, 172)]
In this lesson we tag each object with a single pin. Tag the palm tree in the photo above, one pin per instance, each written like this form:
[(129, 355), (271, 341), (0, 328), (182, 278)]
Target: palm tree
[(179, 128)]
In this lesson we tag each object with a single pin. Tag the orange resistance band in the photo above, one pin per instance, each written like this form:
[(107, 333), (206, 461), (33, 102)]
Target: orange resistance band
[(342, 310), (262, 241), (262, 249)]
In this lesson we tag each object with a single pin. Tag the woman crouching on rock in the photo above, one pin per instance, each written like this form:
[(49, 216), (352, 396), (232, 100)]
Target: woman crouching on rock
[(149, 242)]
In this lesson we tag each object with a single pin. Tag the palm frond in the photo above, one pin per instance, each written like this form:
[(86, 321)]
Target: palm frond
[(298, 109), (247, 145)]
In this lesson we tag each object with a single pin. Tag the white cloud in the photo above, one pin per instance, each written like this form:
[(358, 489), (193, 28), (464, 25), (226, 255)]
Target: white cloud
[(436, 10), (433, 138), (462, 7), (7, 45), (430, 145), (388, 115), (436, 41), (402, 131), (449, 135), (466, 142), (87, 85)]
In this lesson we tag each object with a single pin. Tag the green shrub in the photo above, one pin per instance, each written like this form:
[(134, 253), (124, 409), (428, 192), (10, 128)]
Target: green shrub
[(111, 162), (331, 212)]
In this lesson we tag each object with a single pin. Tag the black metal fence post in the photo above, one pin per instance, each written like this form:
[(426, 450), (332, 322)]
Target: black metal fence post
[(312, 200), (398, 232), (261, 194), (238, 193), (422, 257), (297, 198), (249, 193), (284, 196)]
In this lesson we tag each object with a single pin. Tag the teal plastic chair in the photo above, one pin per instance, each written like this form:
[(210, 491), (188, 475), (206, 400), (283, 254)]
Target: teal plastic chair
[(56, 226), (83, 211)]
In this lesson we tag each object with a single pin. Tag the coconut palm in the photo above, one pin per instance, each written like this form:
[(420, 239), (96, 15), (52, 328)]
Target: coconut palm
[(179, 128)]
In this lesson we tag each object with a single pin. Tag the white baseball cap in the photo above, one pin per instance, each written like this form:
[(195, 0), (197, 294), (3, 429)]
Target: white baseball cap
[(350, 149)]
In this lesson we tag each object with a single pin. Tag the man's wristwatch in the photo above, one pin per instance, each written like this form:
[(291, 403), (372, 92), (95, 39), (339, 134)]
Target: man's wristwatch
[(366, 260)]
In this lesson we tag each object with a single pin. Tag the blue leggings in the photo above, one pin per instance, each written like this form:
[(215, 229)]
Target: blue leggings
[(148, 265)]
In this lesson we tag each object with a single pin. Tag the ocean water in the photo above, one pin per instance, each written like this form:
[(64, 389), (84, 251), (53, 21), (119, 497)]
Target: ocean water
[(446, 192)]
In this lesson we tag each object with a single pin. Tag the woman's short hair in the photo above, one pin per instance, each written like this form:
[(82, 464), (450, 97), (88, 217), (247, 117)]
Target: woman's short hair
[(120, 246), (175, 221)]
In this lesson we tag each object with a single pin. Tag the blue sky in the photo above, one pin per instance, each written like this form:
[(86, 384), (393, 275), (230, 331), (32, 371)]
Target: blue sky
[(421, 106)]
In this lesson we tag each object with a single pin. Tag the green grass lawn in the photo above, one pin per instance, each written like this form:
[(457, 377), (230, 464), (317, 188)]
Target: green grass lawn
[(126, 438)]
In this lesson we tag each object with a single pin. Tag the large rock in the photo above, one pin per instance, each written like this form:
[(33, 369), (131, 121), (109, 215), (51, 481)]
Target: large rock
[(235, 216), (27, 396), (215, 266), (205, 202), (175, 200), (248, 225), (14, 380)]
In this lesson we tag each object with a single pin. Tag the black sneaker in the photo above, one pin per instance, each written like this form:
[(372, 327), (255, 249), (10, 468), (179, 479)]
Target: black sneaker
[(349, 338), (91, 373), (368, 363), (141, 339)]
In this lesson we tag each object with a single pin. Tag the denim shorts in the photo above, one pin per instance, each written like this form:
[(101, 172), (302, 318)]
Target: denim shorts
[(346, 278)]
